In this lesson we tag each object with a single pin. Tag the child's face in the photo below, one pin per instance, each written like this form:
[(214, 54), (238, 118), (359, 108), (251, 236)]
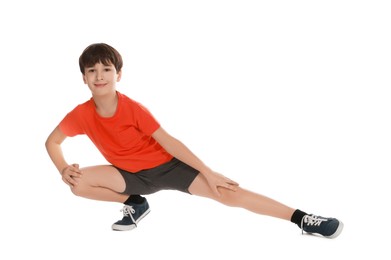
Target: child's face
[(101, 79)]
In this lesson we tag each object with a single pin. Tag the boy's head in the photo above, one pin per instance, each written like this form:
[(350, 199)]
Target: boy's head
[(100, 53)]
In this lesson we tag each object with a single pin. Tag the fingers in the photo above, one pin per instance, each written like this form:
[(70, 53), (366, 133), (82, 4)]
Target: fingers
[(70, 174), (76, 165), (70, 181), (228, 184), (74, 171), (232, 183), (233, 187)]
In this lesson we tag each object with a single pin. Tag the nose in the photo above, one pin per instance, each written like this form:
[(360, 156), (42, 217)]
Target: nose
[(99, 75)]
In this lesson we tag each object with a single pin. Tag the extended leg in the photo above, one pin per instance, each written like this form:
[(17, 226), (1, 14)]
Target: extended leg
[(328, 227), (242, 198)]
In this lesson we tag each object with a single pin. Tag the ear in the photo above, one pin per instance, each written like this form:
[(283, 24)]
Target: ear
[(84, 79), (119, 75)]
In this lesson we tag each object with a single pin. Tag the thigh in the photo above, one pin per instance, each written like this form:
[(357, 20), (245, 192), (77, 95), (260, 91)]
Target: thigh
[(105, 176), (238, 198), (200, 187), (173, 175)]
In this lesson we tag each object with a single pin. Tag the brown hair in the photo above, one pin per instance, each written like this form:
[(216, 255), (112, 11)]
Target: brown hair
[(100, 53)]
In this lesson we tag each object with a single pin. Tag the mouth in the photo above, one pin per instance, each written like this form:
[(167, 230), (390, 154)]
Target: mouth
[(100, 85)]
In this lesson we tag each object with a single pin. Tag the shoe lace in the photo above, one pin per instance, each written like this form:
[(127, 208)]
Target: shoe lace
[(128, 211), (311, 220)]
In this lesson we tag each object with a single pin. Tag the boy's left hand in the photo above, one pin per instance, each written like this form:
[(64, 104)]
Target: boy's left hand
[(216, 180)]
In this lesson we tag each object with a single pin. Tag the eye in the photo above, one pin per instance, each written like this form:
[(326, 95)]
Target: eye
[(107, 69), (90, 70)]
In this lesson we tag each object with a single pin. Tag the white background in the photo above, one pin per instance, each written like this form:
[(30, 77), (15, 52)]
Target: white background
[(289, 98)]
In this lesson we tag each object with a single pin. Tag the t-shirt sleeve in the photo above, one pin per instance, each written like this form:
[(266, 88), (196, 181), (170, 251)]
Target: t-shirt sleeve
[(145, 121), (70, 125)]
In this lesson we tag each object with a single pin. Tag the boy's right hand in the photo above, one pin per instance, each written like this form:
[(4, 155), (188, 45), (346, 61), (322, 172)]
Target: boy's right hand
[(70, 174)]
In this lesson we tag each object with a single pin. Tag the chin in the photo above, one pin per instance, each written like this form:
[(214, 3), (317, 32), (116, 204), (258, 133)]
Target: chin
[(103, 92)]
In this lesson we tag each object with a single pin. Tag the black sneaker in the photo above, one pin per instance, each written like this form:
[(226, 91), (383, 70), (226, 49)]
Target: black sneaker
[(327, 227), (132, 215)]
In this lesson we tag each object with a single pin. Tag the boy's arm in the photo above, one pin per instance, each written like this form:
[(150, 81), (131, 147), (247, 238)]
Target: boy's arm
[(182, 153), (53, 147)]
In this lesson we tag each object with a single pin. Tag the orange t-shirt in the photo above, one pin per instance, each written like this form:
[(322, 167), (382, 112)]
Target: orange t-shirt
[(124, 139)]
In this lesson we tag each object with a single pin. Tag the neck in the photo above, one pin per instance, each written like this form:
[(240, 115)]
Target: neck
[(106, 105)]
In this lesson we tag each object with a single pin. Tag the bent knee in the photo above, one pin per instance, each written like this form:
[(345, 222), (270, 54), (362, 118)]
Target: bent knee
[(79, 189)]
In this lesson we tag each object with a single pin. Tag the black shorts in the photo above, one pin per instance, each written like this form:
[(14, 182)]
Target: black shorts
[(173, 175)]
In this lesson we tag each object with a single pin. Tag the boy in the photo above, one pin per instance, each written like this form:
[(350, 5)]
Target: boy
[(145, 158)]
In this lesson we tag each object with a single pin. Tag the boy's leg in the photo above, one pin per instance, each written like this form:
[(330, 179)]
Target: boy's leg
[(105, 183), (328, 227), (102, 182), (242, 198)]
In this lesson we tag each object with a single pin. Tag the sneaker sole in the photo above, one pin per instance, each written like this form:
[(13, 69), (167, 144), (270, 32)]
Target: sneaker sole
[(116, 227), (338, 231), (129, 227)]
